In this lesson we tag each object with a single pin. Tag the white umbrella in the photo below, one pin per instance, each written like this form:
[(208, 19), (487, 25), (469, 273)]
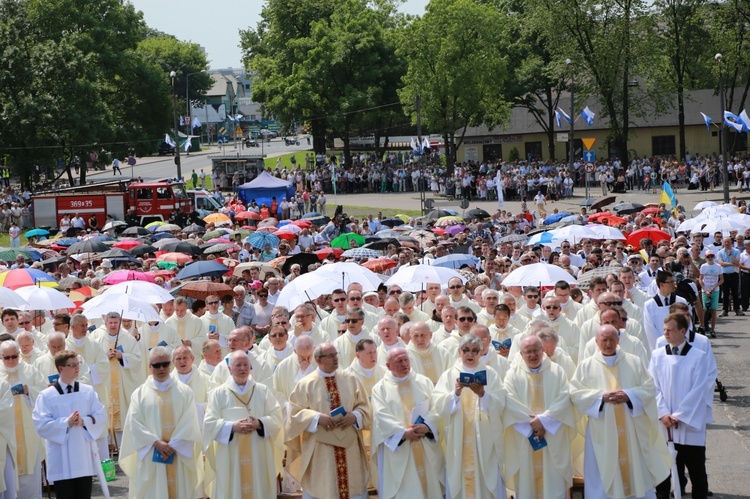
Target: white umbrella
[(128, 306), (168, 228), (417, 277), (538, 274), (574, 233), (111, 225), (10, 299), (676, 486), (44, 298), (143, 290), (345, 273), (606, 232), (546, 238), (294, 229), (161, 242), (689, 225), (723, 225), (705, 204), (305, 288)]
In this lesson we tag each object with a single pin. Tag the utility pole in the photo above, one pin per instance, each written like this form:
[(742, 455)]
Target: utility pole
[(723, 131), (173, 76)]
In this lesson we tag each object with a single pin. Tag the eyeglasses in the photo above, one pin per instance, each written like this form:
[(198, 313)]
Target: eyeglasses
[(395, 292), (355, 298), (352, 321), (160, 365), (551, 307), (473, 351), (262, 296), (10, 357), (669, 282), (459, 286), (72, 366), (212, 303), (612, 303), (337, 300), (58, 324), (532, 296), (277, 335), (24, 323), (466, 319)]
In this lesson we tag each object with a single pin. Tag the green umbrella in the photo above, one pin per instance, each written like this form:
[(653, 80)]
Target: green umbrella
[(213, 234), (242, 232), (10, 254), (344, 241), (167, 265)]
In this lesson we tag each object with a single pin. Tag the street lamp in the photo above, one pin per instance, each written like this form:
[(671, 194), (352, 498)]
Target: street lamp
[(571, 136), (187, 97), (173, 76), (722, 132)]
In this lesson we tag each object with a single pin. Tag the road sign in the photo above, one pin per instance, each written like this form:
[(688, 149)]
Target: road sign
[(589, 167), (589, 156), (588, 143), (562, 137), (238, 131), (464, 204), (429, 203)]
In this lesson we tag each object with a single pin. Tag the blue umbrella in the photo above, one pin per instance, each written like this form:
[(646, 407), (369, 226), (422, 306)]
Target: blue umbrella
[(260, 239), (455, 261), (101, 238), (35, 255), (37, 233), (312, 214), (204, 268), (66, 241), (555, 218), (160, 235)]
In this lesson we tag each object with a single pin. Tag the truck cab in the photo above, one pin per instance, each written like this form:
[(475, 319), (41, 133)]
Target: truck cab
[(203, 202), (154, 201)]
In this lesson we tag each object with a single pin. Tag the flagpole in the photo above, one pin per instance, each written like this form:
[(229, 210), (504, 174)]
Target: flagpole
[(173, 76), (571, 138), (722, 132)]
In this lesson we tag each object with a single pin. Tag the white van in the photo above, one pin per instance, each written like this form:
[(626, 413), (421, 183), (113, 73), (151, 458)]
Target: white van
[(203, 202)]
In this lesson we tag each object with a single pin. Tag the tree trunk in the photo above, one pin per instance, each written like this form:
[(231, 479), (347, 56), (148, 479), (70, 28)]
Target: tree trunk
[(448, 154), (550, 124), (319, 135), (681, 116)]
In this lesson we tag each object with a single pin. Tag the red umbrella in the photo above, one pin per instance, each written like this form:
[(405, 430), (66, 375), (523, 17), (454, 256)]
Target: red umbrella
[(303, 223), (438, 230), (597, 217), (269, 229), (127, 244), (178, 258), (651, 211), (655, 235), (247, 215), (379, 265), (326, 252), (127, 275), (283, 234)]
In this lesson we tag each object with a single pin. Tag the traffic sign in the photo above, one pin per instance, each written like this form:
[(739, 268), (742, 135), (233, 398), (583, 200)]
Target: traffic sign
[(589, 167), (589, 156), (588, 143), (464, 204)]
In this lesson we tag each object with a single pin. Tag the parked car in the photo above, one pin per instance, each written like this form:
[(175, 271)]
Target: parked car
[(165, 149)]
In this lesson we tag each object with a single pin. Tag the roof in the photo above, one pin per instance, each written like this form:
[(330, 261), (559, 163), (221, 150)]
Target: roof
[(696, 101), (265, 181)]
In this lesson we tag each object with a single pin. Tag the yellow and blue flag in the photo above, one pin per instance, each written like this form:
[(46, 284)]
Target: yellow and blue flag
[(667, 195)]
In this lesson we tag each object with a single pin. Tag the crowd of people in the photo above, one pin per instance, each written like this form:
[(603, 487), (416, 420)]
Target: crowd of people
[(466, 388)]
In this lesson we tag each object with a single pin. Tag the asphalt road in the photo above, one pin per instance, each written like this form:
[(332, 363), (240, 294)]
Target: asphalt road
[(728, 439)]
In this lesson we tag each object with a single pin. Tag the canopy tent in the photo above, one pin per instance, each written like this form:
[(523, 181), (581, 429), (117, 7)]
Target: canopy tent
[(263, 188)]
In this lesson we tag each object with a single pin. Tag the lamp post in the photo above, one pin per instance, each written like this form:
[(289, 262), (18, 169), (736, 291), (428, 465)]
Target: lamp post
[(173, 76), (187, 97), (723, 131), (571, 135)]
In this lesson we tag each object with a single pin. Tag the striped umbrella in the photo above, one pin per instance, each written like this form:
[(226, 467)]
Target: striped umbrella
[(18, 278), (360, 253)]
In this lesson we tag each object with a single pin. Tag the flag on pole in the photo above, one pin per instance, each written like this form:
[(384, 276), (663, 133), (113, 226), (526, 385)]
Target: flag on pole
[(231, 118), (565, 115), (187, 145), (425, 144), (168, 140), (196, 122), (558, 118), (588, 116), (182, 121), (734, 121), (414, 147), (745, 121), (708, 121), (667, 195)]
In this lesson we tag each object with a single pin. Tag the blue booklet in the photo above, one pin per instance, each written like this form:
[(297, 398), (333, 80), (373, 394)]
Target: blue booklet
[(339, 411), (480, 377), (52, 378), (537, 443), (502, 344), (420, 420), (17, 389), (158, 459), (120, 348)]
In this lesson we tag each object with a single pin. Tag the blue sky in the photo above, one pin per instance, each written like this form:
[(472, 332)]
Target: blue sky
[(215, 25)]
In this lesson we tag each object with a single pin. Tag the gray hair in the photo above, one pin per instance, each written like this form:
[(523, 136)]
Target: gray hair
[(547, 335), (490, 292), (25, 335), (180, 300), (158, 352), (113, 315), (318, 351), (182, 348), (78, 318), (5, 346), (537, 324), (356, 311), (469, 340), (405, 299), (303, 343), (54, 335)]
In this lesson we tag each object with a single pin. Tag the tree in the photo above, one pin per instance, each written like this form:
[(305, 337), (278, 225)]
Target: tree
[(456, 56)]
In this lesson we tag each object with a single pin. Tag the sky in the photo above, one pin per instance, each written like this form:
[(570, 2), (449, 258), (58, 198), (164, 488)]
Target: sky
[(215, 25)]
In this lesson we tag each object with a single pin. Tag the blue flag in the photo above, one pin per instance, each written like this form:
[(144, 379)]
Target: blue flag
[(588, 116), (734, 121), (565, 115), (557, 118), (708, 121)]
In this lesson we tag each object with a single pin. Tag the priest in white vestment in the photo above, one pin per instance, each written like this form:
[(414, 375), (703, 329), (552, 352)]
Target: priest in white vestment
[(155, 334), (346, 343), (8, 477), (539, 412), (160, 432), (388, 332), (471, 415), (489, 356), (425, 357), (216, 325), (501, 330), (280, 347), (189, 327), (243, 338), (465, 318), (627, 343), (328, 407), (405, 438), (70, 418), (625, 454), (29, 351), (292, 369), (212, 357), (243, 435)]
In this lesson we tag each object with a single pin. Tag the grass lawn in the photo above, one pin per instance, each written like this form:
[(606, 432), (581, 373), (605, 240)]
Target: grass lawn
[(5, 240), (189, 183), (286, 160), (361, 211)]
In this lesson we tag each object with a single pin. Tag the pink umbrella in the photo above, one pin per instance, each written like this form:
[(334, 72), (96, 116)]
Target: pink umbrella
[(127, 275), (219, 240), (455, 229)]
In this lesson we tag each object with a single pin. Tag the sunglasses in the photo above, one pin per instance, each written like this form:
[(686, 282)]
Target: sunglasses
[(337, 300), (395, 292), (551, 307), (10, 357), (351, 321), (24, 323), (212, 303), (472, 351), (455, 287), (532, 296), (466, 319), (612, 303), (277, 335), (160, 365), (262, 296)]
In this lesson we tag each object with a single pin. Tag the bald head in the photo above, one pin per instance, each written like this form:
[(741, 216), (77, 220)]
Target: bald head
[(607, 339), (398, 362)]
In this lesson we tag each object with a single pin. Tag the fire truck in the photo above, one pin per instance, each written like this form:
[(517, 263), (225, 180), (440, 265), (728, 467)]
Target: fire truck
[(152, 201)]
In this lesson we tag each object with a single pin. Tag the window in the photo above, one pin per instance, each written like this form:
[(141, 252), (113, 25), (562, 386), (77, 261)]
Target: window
[(662, 145), (533, 151)]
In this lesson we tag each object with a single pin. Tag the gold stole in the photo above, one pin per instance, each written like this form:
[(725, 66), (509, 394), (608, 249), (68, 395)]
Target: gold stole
[(428, 365), (114, 394), (613, 383), (181, 327), (469, 403), (166, 413), (153, 338), (245, 450), (78, 350), (537, 407), (20, 441), (339, 453), (417, 447)]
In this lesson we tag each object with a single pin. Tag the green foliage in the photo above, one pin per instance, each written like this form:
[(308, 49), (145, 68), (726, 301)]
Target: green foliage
[(457, 66), (514, 155)]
